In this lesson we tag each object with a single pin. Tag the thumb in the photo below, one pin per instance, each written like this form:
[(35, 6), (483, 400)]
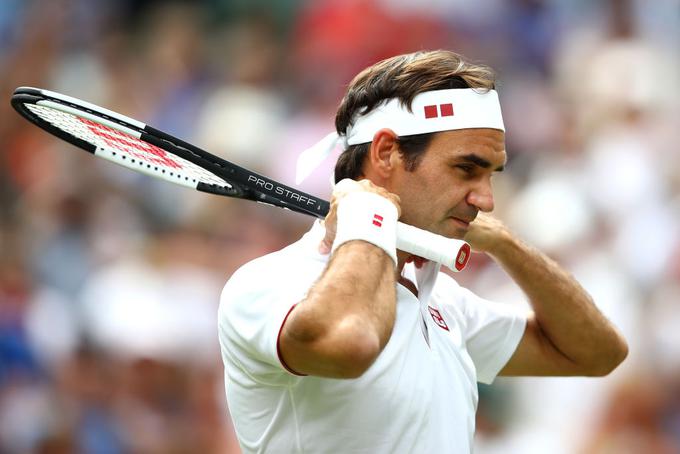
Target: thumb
[(325, 246), (327, 242)]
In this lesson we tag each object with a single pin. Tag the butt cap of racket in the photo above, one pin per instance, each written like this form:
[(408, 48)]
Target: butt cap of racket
[(450, 252)]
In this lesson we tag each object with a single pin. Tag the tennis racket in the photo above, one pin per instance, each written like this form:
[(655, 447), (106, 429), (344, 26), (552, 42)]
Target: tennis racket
[(142, 148)]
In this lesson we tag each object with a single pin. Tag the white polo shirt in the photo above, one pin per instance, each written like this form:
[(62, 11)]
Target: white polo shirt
[(420, 395)]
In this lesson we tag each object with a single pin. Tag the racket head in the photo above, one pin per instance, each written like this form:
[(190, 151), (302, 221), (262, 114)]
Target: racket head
[(140, 147), (121, 140)]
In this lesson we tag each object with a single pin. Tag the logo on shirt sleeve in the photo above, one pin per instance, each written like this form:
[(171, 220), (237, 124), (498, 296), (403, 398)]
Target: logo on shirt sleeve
[(437, 317)]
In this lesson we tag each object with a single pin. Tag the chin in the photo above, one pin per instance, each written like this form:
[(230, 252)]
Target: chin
[(457, 233), (452, 229)]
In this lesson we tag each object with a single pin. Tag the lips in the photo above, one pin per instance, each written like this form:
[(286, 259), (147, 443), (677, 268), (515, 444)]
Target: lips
[(466, 223), (463, 216)]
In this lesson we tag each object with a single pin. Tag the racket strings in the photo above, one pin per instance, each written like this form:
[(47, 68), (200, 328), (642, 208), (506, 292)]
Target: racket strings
[(128, 150)]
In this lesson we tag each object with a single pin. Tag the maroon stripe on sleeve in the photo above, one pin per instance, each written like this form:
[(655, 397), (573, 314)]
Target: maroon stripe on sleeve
[(278, 345)]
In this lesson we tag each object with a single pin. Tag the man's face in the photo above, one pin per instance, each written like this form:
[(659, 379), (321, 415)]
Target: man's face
[(452, 182)]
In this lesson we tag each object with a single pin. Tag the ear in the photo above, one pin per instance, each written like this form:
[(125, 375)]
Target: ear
[(383, 154)]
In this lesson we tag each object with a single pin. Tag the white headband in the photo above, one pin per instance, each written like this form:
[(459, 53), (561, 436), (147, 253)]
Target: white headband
[(431, 111)]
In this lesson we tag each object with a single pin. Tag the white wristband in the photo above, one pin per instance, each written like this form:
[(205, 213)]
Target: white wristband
[(369, 217)]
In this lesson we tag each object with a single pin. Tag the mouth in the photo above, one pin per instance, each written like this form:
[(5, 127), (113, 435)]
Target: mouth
[(463, 223)]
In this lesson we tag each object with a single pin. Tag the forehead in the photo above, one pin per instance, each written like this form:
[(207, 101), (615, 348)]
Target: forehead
[(485, 142)]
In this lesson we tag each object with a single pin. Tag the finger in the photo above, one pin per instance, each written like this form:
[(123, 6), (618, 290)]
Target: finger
[(330, 225), (327, 242), (324, 248)]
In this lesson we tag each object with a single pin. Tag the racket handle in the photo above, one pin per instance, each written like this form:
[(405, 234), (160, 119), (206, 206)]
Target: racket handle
[(450, 252)]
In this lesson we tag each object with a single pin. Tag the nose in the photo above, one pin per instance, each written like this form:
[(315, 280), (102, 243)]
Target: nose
[(481, 196)]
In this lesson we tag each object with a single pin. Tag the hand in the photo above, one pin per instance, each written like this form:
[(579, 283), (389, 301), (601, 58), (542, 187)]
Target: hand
[(486, 233), (342, 188)]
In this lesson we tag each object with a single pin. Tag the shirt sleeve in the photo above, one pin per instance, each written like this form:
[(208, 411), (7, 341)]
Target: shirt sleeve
[(492, 331), (253, 308)]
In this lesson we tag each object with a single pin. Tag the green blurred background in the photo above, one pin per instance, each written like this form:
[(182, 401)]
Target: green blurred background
[(109, 281)]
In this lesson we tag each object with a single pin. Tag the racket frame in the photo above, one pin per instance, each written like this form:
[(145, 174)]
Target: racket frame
[(241, 183)]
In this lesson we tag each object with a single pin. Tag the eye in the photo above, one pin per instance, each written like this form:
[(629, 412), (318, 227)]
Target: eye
[(466, 168)]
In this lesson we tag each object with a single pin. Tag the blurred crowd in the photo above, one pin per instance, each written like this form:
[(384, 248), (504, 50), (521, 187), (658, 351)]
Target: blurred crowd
[(110, 280)]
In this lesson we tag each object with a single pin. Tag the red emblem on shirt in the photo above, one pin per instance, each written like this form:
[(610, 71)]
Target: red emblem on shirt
[(437, 317), (377, 220)]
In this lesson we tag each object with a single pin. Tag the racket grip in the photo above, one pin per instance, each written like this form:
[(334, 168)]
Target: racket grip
[(450, 252)]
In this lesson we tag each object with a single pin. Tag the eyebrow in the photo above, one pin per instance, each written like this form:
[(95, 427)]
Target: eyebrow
[(481, 162)]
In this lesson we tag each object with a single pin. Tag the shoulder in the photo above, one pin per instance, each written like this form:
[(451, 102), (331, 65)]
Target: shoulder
[(464, 304), (289, 271), (447, 289), (263, 268), (471, 309), (258, 296), (292, 262), (450, 297)]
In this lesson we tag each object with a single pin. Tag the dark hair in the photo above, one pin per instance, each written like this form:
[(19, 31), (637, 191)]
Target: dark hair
[(403, 77)]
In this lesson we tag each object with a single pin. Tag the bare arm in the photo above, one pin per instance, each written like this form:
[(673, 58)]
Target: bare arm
[(345, 321), (567, 334)]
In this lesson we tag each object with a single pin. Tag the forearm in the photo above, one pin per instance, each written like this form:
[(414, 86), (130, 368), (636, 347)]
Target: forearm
[(345, 321), (359, 283), (565, 313)]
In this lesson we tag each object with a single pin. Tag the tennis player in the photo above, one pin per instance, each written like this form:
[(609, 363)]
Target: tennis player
[(340, 343)]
